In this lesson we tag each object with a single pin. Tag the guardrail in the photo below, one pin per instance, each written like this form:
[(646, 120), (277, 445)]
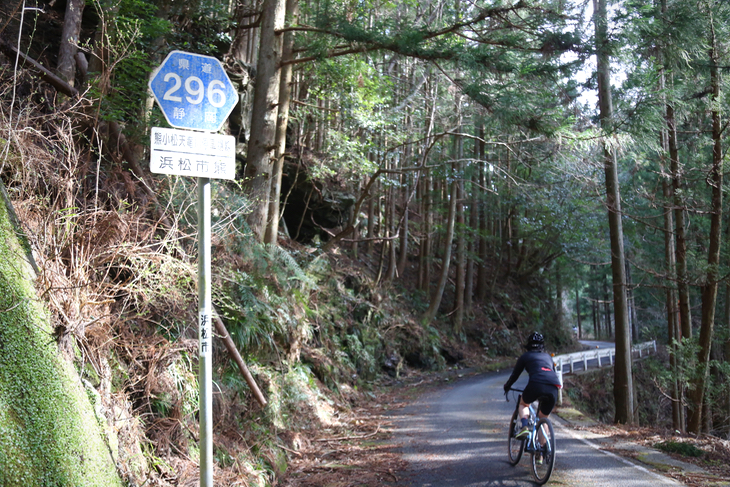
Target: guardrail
[(595, 359)]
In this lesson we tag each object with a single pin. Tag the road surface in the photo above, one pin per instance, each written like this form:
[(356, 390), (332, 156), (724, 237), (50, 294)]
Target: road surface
[(593, 344), (456, 437)]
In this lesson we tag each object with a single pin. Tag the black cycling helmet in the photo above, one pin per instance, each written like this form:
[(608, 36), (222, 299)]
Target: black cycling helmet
[(535, 342)]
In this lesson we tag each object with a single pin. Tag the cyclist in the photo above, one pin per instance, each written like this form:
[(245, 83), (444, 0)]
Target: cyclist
[(543, 383)]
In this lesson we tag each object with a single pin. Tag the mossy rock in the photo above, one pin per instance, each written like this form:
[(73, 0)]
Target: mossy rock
[(49, 433)]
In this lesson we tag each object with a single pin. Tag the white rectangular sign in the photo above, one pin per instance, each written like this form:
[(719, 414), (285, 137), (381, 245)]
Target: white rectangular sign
[(196, 154)]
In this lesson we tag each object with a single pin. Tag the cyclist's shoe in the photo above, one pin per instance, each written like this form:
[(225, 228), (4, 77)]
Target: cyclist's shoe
[(547, 458), (538, 458), (523, 433)]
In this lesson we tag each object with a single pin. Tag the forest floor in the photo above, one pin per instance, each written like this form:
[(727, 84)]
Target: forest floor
[(713, 464), (361, 450)]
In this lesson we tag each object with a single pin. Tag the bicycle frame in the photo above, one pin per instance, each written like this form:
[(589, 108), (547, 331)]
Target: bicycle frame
[(531, 444), (540, 442)]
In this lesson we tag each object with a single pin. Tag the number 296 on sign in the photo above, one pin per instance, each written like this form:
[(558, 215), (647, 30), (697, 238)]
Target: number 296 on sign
[(193, 91)]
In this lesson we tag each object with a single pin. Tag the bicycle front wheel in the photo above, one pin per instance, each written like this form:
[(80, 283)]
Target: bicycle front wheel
[(543, 460), (515, 446)]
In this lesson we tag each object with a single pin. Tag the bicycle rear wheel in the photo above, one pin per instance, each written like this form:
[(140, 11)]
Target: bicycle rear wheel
[(515, 446), (541, 471)]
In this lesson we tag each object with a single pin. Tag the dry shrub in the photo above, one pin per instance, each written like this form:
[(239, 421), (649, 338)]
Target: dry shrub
[(119, 285), (119, 281)]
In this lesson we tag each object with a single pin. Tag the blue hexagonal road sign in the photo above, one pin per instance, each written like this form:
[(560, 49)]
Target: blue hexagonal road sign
[(193, 91)]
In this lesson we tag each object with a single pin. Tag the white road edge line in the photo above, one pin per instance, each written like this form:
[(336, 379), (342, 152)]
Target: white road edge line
[(665, 480)]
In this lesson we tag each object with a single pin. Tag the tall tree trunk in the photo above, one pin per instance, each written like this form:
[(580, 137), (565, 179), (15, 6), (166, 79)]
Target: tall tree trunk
[(484, 181), (577, 313), (607, 308), (685, 316), (403, 249), (261, 147), (391, 232), (451, 219), (709, 291), (371, 219), (460, 241), (421, 193), (69, 40), (633, 325), (426, 245), (426, 240), (355, 217), (509, 234), (708, 405), (355, 238), (726, 344), (460, 262), (472, 245), (670, 254), (684, 327), (282, 122), (560, 316), (243, 47), (405, 198), (678, 415), (673, 332), (380, 208), (623, 381)]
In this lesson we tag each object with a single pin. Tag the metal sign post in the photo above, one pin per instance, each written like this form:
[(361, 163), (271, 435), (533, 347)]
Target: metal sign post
[(194, 92), (205, 304)]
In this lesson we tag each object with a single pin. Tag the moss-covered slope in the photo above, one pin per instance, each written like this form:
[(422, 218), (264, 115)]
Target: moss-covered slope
[(49, 434)]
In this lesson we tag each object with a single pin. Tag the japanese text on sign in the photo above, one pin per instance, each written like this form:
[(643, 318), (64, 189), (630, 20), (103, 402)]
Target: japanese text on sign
[(186, 153), (193, 91), (204, 333)]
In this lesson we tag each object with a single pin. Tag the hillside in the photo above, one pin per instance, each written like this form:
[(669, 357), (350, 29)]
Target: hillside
[(117, 271), (118, 274), (417, 187)]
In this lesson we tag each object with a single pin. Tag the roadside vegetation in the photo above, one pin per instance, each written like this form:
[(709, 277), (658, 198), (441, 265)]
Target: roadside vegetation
[(437, 188), (591, 394)]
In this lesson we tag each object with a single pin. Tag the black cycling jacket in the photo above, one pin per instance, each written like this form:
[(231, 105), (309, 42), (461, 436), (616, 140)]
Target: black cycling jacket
[(538, 365)]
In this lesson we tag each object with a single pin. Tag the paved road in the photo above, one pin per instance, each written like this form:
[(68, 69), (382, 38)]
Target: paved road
[(597, 344), (456, 437)]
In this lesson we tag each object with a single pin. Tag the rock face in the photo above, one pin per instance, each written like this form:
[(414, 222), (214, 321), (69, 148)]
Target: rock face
[(49, 433), (314, 210)]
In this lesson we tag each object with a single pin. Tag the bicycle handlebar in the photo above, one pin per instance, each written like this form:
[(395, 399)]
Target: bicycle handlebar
[(506, 397)]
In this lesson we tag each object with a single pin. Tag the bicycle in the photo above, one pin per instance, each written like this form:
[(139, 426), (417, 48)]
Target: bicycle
[(543, 455)]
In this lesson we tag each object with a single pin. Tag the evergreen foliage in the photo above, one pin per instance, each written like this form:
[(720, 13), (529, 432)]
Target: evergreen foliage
[(399, 112)]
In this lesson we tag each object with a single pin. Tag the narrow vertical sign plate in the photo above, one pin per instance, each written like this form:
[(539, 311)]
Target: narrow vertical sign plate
[(204, 333), (197, 154)]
